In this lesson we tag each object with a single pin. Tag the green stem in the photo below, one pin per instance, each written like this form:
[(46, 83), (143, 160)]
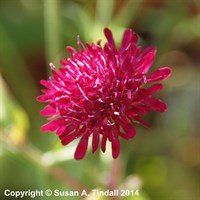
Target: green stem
[(104, 13), (114, 176), (127, 13), (52, 27)]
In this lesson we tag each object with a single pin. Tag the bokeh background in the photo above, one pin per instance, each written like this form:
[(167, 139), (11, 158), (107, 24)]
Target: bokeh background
[(163, 162)]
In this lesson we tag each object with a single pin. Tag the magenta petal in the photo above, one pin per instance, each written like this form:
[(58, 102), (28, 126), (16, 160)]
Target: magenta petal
[(129, 130), (51, 126), (118, 132), (139, 119), (115, 148), (48, 111), (46, 83), (111, 42), (68, 129), (160, 74), (44, 98), (128, 37), (60, 130), (147, 50), (123, 135), (154, 88), (95, 141), (157, 104), (68, 138), (81, 148), (71, 50), (104, 140), (147, 62)]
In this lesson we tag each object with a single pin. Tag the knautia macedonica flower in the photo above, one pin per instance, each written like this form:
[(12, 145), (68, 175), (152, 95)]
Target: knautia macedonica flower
[(100, 92)]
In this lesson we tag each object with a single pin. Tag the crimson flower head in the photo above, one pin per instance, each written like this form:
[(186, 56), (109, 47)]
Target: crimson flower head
[(100, 92)]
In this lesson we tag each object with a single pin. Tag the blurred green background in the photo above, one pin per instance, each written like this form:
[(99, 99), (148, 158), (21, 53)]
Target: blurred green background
[(163, 162)]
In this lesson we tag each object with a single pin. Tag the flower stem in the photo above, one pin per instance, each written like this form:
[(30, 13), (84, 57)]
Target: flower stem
[(127, 13), (103, 16), (52, 29), (115, 173)]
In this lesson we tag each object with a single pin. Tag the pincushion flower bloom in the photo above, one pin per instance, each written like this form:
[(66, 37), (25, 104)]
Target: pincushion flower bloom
[(100, 92)]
